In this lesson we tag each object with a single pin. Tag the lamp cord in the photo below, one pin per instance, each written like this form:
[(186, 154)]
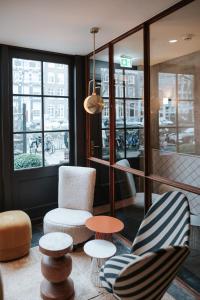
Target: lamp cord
[(94, 68)]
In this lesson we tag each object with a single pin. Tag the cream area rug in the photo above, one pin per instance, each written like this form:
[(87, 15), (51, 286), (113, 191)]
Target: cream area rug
[(22, 278)]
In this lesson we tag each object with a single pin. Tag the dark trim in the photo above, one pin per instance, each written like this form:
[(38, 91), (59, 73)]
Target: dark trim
[(79, 113), (147, 116), (26, 53), (5, 129), (112, 140)]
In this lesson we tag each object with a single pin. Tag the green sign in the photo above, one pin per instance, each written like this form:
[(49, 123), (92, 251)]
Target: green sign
[(125, 62)]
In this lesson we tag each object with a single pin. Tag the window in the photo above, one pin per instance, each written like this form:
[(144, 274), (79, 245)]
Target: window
[(129, 112), (40, 114), (176, 114)]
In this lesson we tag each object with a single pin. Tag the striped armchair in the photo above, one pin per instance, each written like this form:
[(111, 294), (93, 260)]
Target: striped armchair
[(160, 247)]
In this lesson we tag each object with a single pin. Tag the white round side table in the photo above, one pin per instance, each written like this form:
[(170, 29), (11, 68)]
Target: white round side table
[(99, 251)]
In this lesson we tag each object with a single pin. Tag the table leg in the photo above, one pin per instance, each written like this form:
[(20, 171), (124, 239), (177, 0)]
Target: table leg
[(96, 265), (103, 236)]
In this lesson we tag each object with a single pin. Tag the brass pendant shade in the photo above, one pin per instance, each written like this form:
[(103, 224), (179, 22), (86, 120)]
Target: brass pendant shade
[(93, 104)]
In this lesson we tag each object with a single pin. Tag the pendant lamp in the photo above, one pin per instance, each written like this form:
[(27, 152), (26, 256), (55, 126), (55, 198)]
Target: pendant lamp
[(93, 104)]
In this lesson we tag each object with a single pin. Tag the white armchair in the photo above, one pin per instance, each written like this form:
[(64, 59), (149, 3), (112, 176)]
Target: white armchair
[(75, 203)]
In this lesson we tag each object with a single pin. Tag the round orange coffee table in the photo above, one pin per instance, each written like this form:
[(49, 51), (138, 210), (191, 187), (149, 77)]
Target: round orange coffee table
[(104, 226)]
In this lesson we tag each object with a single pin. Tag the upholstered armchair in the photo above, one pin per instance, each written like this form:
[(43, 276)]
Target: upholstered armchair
[(75, 203), (160, 247)]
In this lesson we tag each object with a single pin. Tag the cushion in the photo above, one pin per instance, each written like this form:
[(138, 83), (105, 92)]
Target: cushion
[(68, 217)]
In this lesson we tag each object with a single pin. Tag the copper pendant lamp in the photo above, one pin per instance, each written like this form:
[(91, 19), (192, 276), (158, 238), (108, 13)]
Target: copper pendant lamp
[(93, 104)]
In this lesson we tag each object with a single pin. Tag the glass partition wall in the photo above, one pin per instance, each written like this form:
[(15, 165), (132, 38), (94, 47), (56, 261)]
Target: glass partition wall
[(151, 120)]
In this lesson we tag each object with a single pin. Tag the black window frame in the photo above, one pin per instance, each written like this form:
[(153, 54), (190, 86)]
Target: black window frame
[(42, 56)]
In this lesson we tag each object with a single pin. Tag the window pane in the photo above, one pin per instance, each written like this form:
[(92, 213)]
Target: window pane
[(26, 114), (168, 139), (105, 144), (134, 142), (56, 148), (119, 113), (129, 101), (134, 113), (55, 79), (56, 114), (26, 76), (185, 113), (175, 97), (186, 141), (120, 144), (129, 200), (105, 114), (185, 87), (99, 123), (119, 83), (167, 112), (134, 84), (27, 151)]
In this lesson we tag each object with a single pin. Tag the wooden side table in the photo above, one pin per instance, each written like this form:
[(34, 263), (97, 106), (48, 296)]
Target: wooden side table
[(104, 226), (56, 266)]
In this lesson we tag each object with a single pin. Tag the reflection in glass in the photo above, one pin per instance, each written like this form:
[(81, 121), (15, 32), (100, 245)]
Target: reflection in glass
[(119, 113), (185, 113), (27, 114), (134, 113), (175, 97), (129, 102), (55, 79), (105, 144), (56, 115), (105, 114), (129, 200), (134, 84), (120, 143), (168, 139), (134, 142), (56, 148), (26, 76), (99, 123)]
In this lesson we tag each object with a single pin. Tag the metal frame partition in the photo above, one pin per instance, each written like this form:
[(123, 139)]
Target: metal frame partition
[(147, 174)]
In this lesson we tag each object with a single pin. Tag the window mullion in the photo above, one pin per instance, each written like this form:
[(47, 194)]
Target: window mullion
[(42, 98)]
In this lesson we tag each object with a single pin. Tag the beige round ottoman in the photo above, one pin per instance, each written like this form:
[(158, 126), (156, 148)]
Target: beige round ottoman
[(15, 234)]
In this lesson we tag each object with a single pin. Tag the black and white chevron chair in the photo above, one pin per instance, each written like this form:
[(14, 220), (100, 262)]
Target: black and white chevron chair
[(160, 247)]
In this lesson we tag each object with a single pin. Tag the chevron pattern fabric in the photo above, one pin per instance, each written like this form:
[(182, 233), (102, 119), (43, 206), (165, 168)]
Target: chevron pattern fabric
[(166, 223), (161, 245)]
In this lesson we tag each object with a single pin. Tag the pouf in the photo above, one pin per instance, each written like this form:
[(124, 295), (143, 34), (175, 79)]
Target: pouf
[(15, 234)]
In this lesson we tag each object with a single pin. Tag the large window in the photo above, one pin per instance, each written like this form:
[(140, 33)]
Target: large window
[(40, 113), (176, 113), (129, 110)]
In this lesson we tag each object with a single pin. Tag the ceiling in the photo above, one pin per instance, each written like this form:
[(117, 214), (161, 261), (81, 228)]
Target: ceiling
[(174, 26), (63, 25)]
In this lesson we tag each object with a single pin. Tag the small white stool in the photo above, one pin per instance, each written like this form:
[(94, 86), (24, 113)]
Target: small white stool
[(100, 251)]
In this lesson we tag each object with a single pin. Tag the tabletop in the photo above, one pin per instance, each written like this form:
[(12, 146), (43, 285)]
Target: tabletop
[(104, 224), (100, 249), (55, 244)]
